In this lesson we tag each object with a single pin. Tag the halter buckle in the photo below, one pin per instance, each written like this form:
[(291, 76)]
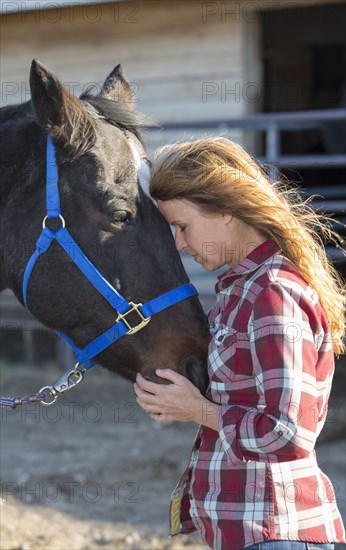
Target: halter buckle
[(134, 308)]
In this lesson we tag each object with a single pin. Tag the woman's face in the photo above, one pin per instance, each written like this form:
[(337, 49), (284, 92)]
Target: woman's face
[(209, 238)]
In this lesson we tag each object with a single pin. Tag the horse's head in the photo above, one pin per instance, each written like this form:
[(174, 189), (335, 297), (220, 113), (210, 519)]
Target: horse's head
[(102, 173)]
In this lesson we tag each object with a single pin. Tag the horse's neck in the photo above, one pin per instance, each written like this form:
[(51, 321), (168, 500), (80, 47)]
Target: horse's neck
[(20, 138), (14, 113)]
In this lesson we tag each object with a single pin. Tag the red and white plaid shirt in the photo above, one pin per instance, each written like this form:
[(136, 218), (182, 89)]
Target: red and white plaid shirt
[(270, 366)]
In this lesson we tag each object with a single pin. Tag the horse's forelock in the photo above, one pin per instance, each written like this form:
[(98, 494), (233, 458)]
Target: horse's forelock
[(81, 132)]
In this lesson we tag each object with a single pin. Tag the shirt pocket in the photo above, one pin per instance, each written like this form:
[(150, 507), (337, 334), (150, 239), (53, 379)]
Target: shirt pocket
[(222, 354)]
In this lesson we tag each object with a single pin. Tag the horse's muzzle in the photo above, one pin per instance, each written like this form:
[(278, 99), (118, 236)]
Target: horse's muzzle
[(194, 368)]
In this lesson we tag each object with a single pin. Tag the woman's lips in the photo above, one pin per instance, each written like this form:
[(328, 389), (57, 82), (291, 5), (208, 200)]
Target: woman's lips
[(196, 257)]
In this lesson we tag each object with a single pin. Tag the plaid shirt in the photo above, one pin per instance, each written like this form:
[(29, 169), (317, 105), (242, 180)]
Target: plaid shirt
[(270, 366)]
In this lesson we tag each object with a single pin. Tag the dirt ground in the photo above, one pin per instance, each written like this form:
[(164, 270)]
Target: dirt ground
[(93, 471)]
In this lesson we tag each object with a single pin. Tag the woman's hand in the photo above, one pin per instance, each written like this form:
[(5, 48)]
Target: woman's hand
[(180, 400)]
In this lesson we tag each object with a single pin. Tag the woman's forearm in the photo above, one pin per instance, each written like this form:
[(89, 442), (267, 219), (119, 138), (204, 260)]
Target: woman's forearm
[(206, 413)]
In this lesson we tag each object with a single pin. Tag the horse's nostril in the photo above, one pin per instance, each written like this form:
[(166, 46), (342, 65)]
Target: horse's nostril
[(195, 369)]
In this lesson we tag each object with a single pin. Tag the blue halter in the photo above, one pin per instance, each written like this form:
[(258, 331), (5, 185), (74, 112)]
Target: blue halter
[(123, 307)]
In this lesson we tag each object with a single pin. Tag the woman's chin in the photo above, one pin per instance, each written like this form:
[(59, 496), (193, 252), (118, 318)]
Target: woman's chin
[(204, 263), (207, 266)]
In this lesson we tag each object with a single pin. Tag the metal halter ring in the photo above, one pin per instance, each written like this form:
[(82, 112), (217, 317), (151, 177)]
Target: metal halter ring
[(50, 393), (46, 218)]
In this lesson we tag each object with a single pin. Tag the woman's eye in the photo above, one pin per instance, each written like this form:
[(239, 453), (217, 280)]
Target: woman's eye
[(120, 216)]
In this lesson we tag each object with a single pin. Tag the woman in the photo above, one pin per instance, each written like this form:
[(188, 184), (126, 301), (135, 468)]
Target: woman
[(253, 481)]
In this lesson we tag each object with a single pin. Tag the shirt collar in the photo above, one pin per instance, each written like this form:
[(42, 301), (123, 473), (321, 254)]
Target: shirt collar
[(252, 261)]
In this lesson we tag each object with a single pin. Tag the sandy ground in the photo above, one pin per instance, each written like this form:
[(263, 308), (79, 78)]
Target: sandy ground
[(93, 471)]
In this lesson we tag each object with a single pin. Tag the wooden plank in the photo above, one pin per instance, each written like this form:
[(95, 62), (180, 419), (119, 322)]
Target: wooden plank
[(189, 111), (30, 6), (160, 69), (142, 48), (153, 19)]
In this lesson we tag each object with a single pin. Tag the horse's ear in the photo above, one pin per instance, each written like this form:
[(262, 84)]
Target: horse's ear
[(59, 112), (117, 88)]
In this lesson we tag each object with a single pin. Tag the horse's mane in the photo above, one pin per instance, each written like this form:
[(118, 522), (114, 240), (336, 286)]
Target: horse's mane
[(118, 114), (14, 113)]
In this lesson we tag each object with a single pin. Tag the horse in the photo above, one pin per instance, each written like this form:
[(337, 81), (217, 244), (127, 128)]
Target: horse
[(103, 180)]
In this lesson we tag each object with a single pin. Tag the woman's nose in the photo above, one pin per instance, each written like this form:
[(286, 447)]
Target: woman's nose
[(179, 242)]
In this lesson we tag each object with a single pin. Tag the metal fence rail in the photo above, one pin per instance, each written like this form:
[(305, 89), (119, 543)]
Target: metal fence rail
[(273, 124)]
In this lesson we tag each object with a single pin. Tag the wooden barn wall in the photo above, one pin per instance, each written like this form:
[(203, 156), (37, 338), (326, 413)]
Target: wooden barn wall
[(186, 61), (168, 52)]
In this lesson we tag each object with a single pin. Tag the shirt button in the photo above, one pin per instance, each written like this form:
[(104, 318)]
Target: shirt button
[(280, 433)]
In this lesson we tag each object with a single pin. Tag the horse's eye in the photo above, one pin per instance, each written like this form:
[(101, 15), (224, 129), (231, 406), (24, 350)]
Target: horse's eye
[(120, 216)]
